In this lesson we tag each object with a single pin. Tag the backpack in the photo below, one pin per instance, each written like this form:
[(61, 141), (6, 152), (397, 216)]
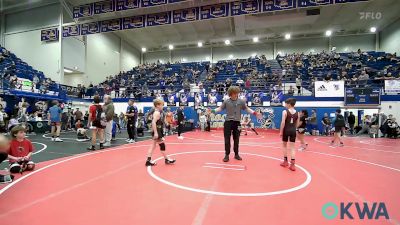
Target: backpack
[(339, 122)]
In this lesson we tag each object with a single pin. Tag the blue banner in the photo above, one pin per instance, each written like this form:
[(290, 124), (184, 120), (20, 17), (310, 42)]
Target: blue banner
[(71, 31), (159, 19), (104, 7), (310, 3), (111, 25), (83, 10), (148, 3), (214, 11), (276, 5), (186, 15), (349, 1), (127, 4), (245, 7), (90, 28), (49, 35), (134, 22)]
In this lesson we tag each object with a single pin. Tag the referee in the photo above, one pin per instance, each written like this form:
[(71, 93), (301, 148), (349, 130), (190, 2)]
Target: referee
[(233, 107)]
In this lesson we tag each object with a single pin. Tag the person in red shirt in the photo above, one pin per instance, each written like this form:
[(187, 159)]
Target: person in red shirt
[(96, 122), (20, 152)]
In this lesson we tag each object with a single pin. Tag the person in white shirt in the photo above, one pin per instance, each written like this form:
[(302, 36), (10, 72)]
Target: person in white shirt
[(203, 121)]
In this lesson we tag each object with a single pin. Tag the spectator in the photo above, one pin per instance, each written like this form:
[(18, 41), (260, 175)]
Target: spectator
[(313, 121), (363, 78), (351, 120), (298, 84), (393, 128), (78, 114), (326, 123), (54, 120), (20, 152), (354, 81), (291, 91), (366, 125), (121, 118)]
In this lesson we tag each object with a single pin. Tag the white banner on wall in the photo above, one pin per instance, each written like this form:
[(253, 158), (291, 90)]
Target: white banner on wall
[(329, 88), (392, 87)]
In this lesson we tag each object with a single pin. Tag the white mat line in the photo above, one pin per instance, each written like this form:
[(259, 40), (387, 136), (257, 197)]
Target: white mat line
[(227, 165), (224, 168)]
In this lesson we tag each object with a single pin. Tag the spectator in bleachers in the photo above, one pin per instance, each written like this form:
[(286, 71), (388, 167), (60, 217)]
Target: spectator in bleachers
[(354, 81), (363, 78), (3, 121), (291, 91)]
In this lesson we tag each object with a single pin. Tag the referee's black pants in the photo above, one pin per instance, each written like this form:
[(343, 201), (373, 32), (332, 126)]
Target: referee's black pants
[(180, 127), (231, 127)]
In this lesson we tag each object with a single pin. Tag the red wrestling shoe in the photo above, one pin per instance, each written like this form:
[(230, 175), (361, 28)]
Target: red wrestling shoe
[(285, 163)]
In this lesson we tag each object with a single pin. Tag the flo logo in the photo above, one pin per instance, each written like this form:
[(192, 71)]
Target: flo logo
[(350, 210)]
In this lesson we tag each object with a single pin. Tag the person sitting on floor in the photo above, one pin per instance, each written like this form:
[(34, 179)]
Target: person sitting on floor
[(81, 131), (21, 150)]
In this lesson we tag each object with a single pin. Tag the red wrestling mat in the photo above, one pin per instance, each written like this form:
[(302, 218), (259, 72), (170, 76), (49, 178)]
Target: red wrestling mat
[(114, 187)]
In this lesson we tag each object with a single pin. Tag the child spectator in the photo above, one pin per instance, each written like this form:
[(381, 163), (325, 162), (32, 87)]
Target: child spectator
[(20, 152)]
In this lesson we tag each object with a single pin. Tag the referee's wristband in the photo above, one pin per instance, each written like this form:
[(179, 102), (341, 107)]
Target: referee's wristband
[(255, 113)]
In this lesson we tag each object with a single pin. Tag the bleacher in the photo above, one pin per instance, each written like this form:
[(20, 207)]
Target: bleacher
[(264, 75), (12, 65)]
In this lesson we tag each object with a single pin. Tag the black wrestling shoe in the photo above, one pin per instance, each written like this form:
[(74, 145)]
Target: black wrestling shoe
[(149, 163), (226, 158), (4, 179), (91, 148), (237, 157), (170, 161), (101, 146)]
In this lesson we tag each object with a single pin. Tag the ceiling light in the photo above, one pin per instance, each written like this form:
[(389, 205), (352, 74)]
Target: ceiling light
[(287, 36), (328, 33), (372, 29), (227, 42), (144, 49), (68, 71), (200, 44), (255, 39), (170, 47)]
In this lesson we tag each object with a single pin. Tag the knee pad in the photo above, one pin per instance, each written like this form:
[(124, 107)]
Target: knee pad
[(162, 146), (15, 168)]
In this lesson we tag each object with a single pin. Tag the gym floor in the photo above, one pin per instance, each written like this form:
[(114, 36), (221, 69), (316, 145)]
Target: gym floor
[(112, 186)]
